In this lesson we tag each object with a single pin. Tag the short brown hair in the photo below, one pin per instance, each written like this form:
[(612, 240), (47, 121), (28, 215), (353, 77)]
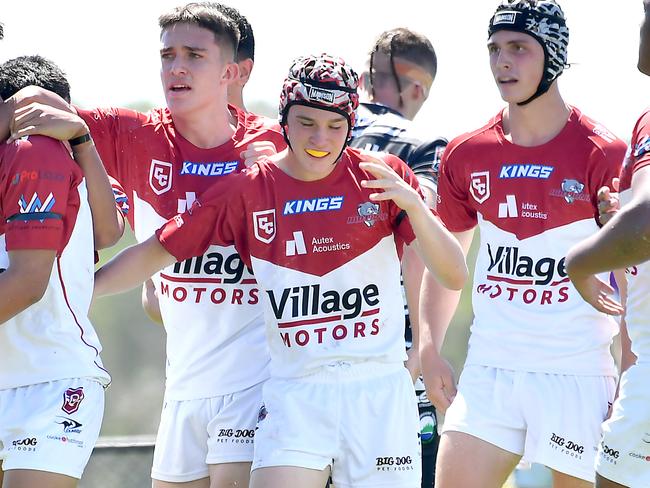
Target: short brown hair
[(411, 46), (209, 16)]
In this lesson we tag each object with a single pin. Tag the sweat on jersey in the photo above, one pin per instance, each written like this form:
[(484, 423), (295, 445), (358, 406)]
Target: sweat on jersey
[(210, 302), (44, 205), (531, 205), (325, 256), (637, 307)]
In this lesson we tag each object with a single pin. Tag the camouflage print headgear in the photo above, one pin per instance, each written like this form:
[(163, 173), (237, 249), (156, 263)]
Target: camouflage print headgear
[(323, 82), (544, 20)]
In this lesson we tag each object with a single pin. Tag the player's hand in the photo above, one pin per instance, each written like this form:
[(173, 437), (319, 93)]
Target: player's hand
[(391, 186), (608, 202), (36, 94), (257, 149), (597, 293), (439, 381), (412, 363), (150, 302), (45, 120)]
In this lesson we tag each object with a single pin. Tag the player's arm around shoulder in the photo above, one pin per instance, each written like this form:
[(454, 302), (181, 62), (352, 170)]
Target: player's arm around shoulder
[(34, 213), (132, 267), (622, 242), (183, 236), (64, 124), (108, 221), (440, 251)]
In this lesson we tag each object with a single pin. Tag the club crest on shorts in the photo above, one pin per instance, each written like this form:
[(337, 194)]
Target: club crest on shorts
[(160, 176), (479, 186), (264, 225), (72, 398), (262, 413)]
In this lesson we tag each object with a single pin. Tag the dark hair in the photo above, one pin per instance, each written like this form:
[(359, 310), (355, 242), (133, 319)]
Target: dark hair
[(411, 46), (2, 32), (207, 15), (246, 46), (23, 71)]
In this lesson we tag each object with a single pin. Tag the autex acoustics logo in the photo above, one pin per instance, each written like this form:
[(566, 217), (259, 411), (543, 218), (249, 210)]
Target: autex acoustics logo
[(186, 203), (509, 208), (297, 245)]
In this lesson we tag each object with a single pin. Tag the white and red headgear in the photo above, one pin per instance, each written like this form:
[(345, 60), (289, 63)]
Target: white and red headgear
[(323, 82)]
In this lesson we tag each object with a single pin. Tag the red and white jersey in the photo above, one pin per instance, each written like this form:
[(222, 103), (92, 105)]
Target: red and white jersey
[(325, 256), (531, 205), (210, 303), (637, 313), (44, 205)]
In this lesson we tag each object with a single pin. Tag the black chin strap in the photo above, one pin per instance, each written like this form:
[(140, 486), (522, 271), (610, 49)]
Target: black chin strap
[(544, 85), (541, 89)]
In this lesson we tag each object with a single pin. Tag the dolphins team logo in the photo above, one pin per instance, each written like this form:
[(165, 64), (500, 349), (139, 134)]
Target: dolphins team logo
[(368, 211)]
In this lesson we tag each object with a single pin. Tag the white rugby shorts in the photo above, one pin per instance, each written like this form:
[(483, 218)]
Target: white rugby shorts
[(51, 426), (624, 453), (550, 419), (361, 419), (196, 433)]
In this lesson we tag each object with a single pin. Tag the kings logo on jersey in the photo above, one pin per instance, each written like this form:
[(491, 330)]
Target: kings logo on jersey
[(479, 186), (160, 176), (264, 225)]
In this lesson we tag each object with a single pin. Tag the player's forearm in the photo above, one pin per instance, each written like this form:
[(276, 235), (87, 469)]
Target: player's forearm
[(150, 303), (107, 224), (412, 271), (437, 308), (6, 111), (439, 249), (623, 241), (628, 358), (131, 267)]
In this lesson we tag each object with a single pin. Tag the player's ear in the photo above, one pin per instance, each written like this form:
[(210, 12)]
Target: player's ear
[(230, 73), (245, 68), (364, 82), (418, 92)]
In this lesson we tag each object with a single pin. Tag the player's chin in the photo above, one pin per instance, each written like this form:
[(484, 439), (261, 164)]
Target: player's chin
[(510, 93), (181, 106)]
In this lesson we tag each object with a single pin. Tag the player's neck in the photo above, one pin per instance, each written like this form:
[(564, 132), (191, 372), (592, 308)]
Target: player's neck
[(537, 122), (288, 162), (236, 98), (402, 110), (410, 109), (206, 128)]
